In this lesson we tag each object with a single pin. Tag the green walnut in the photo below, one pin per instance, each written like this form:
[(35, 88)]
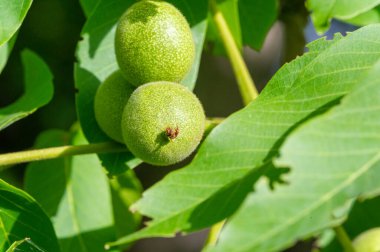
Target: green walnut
[(110, 100), (369, 241), (153, 42), (163, 123)]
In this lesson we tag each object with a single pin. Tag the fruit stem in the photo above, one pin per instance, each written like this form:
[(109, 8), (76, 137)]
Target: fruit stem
[(213, 235), (57, 152), (245, 82), (9, 159), (344, 239)]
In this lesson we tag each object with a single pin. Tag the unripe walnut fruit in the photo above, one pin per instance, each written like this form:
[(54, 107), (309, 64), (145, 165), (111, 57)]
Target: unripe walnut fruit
[(154, 42), (368, 241), (110, 100), (163, 123)]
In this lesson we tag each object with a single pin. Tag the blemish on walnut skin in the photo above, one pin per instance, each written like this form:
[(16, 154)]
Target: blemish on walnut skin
[(172, 133)]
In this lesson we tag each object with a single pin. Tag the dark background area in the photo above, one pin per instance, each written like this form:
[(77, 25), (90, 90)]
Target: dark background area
[(52, 29)]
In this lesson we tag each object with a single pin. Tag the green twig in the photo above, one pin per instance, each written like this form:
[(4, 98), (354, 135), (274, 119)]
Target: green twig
[(9, 159), (58, 152), (246, 85), (343, 238)]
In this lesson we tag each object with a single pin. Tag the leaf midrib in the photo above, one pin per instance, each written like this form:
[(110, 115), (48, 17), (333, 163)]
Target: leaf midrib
[(4, 231), (365, 167), (71, 202)]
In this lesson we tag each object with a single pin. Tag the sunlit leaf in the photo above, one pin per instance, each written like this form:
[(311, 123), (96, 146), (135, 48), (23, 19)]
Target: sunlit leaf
[(75, 193), (12, 13), (370, 17), (223, 171), (5, 51), (333, 159), (324, 10)]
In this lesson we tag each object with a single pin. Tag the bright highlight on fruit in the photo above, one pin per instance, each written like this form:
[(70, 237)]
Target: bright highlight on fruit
[(110, 100), (154, 42), (163, 123)]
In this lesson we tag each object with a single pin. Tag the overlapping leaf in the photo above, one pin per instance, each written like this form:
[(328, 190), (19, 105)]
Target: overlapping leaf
[(38, 90), (333, 159), (126, 189), (96, 58), (249, 22), (88, 6), (324, 10), (21, 217), (5, 51), (370, 17), (12, 13), (221, 174), (75, 193)]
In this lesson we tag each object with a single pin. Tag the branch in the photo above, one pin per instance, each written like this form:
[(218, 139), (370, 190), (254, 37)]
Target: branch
[(58, 152), (343, 238)]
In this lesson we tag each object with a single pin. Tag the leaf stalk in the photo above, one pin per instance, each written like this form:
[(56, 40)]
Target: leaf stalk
[(245, 82), (344, 239), (58, 152)]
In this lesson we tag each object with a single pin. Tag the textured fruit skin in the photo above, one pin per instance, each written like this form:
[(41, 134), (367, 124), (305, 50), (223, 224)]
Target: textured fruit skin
[(368, 241), (110, 100), (154, 42), (163, 123)]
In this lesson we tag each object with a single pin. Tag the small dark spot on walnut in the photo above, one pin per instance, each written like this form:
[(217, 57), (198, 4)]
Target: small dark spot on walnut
[(172, 133)]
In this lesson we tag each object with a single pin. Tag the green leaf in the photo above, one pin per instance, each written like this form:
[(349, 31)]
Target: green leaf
[(75, 193), (125, 190), (324, 10), (221, 174), (256, 18), (195, 12), (24, 245), (12, 13), (88, 6), (370, 17), (21, 217), (249, 22), (38, 90), (5, 51), (333, 159), (97, 60)]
